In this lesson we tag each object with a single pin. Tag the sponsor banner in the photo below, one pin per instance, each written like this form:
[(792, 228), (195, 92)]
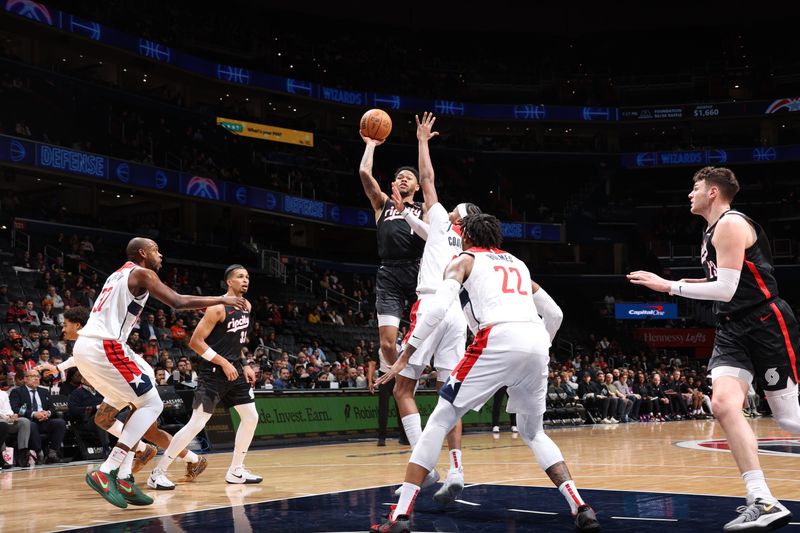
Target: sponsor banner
[(676, 338), (292, 415), (266, 132), (642, 311)]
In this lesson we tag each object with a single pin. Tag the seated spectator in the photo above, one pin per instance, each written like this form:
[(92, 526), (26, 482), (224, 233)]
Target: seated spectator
[(49, 317), (151, 349), (179, 336), (33, 402), (161, 376), (624, 404), (55, 299), (82, 405), (73, 382), (677, 392), (592, 399), (14, 424), (186, 376), (135, 342), (148, 329), (660, 397), (163, 333), (314, 317), (351, 379), (284, 380), (69, 300), (17, 313), (33, 316), (622, 385)]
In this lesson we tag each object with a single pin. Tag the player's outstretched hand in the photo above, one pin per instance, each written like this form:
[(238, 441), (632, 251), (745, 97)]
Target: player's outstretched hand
[(230, 371), (424, 128), (649, 280), (236, 301), (395, 369), (47, 368), (370, 140)]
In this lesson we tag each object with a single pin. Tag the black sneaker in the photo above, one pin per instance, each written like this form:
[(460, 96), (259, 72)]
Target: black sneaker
[(761, 515), (401, 525), (586, 520)]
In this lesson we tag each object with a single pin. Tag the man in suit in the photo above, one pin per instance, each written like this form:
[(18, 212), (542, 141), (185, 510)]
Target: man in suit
[(14, 424), (147, 329), (38, 408)]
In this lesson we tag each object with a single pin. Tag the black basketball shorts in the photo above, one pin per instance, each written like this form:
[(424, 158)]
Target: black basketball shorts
[(764, 342), (395, 287), (214, 388)]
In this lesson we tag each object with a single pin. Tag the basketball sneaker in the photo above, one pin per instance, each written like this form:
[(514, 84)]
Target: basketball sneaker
[(142, 458), (586, 520), (132, 494), (430, 479), (451, 489), (106, 486), (760, 515), (158, 480), (195, 469), (241, 475), (401, 525)]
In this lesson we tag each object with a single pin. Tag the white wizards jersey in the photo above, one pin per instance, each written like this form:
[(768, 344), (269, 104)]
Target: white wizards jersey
[(115, 310), (497, 290), (442, 245)]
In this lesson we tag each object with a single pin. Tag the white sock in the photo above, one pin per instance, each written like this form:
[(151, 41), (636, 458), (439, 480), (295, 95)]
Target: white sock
[(114, 460), (125, 467), (408, 493), (455, 461), (413, 426), (756, 484), (190, 457), (570, 493), (142, 446)]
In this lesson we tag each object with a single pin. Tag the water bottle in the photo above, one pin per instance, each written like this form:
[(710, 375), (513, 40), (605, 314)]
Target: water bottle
[(23, 410)]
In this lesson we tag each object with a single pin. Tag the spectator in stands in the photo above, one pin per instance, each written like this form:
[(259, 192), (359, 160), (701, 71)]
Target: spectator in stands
[(592, 398), (284, 380), (351, 379), (179, 335), (33, 316), (186, 376), (315, 316), (624, 404), (148, 328), (49, 317), (675, 391), (69, 299), (17, 313), (73, 382), (161, 376), (33, 402), (135, 342), (636, 400), (82, 405), (660, 397), (701, 387), (361, 379), (15, 424), (163, 333), (151, 350), (274, 319), (55, 299), (301, 379), (322, 380), (3, 294)]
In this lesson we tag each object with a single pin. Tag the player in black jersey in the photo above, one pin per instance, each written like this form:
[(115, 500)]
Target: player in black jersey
[(400, 250), (219, 339), (756, 337)]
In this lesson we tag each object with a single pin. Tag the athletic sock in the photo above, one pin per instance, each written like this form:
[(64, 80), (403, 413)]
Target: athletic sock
[(190, 457), (408, 493), (756, 485), (125, 467), (114, 460), (455, 461), (571, 494)]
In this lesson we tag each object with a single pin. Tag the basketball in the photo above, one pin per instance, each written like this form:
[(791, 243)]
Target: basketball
[(376, 124)]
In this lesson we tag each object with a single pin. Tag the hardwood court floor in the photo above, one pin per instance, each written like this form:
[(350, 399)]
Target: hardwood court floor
[(637, 457)]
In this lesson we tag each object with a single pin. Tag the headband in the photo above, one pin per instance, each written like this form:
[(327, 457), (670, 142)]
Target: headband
[(462, 210)]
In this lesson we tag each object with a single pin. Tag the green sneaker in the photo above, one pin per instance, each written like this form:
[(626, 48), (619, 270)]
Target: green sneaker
[(131, 492), (106, 486)]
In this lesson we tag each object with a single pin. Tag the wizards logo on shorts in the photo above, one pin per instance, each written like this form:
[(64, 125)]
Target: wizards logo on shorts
[(780, 446), (450, 389)]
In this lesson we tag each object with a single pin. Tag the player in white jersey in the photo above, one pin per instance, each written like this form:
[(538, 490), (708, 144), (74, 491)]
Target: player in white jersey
[(446, 344), (117, 372), (510, 349)]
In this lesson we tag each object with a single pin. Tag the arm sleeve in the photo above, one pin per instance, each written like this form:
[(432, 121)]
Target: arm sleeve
[(440, 303), (66, 364), (721, 290), (549, 310), (419, 226)]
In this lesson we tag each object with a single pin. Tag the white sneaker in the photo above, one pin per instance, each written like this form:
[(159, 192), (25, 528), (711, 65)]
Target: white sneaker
[(158, 480), (451, 489), (495, 429), (760, 515), (514, 429), (613, 420), (240, 475), (605, 421), (430, 479)]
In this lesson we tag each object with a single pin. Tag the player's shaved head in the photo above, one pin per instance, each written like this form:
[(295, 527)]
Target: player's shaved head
[(136, 244)]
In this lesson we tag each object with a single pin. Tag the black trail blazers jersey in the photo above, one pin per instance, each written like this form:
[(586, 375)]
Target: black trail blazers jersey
[(396, 240), (230, 336), (757, 283)]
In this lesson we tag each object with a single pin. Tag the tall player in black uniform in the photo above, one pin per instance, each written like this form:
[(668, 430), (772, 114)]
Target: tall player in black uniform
[(400, 250), (757, 334), (219, 339)]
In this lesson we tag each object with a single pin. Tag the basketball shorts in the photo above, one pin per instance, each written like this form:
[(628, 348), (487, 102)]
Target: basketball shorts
[(764, 342), (511, 354), (214, 388), (114, 370), (395, 287), (445, 344)]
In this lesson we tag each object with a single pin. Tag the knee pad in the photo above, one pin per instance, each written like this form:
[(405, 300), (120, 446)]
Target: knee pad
[(785, 408), (546, 451)]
